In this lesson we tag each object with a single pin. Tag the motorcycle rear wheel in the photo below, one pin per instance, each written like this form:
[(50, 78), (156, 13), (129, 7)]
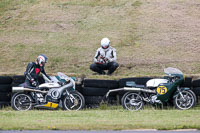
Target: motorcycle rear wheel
[(132, 101), (186, 102), (21, 102), (69, 103)]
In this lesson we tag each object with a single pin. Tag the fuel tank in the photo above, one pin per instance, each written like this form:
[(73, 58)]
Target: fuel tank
[(155, 82), (49, 85)]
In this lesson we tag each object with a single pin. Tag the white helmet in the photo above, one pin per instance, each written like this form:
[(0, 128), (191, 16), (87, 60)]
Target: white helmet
[(42, 59), (105, 43)]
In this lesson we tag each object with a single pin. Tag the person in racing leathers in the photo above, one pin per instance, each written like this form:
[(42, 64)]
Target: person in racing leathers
[(105, 58), (33, 70)]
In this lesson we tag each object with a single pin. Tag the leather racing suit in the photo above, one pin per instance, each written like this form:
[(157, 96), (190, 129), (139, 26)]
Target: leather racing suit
[(105, 59), (32, 73)]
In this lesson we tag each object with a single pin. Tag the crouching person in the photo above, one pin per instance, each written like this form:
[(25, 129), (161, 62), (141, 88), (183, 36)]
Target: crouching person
[(105, 58)]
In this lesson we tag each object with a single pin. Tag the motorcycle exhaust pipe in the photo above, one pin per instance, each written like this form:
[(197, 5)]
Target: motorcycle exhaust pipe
[(139, 89), (22, 89), (131, 89)]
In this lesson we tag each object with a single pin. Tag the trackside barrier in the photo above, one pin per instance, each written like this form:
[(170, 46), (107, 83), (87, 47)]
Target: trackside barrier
[(92, 89)]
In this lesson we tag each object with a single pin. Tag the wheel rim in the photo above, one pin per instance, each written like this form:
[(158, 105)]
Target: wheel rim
[(186, 101), (133, 101), (22, 102), (77, 102)]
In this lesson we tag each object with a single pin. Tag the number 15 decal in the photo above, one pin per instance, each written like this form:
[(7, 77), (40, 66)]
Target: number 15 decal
[(161, 90)]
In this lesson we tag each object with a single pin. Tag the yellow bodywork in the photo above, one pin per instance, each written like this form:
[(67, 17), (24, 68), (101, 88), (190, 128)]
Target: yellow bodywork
[(52, 105)]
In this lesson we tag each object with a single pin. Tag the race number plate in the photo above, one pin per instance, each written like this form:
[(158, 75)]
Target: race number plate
[(161, 90)]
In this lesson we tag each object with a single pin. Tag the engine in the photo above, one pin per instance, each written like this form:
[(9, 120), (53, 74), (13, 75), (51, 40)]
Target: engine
[(53, 95)]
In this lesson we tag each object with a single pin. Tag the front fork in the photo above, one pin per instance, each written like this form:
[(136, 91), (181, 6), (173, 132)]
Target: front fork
[(179, 91), (71, 97)]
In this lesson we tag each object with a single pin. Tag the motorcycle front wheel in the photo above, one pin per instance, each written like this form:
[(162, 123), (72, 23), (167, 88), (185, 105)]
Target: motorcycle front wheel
[(185, 100), (21, 102), (75, 101), (132, 101)]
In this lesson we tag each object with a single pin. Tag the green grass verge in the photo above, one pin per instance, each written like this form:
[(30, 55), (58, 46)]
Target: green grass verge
[(112, 118), (4, 5), (146, 38)]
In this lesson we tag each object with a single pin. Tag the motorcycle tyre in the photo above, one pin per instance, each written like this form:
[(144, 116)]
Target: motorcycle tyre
[(5, 96), (82, 99), (196, 91), (98, 83), (5, 88), (123, 102), (5, 80), (13, 100), (194, 97)]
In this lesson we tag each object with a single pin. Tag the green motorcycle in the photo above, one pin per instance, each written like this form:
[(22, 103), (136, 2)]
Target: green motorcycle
[(158, 91)]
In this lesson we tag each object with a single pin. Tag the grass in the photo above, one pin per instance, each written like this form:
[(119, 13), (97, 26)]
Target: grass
[(111, 118), (64, 31), (137, 3), (4, 5), (69, 32)]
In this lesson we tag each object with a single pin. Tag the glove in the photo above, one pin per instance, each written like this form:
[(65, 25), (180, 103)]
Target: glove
[(34, 83), (100, 61), (104, 59)]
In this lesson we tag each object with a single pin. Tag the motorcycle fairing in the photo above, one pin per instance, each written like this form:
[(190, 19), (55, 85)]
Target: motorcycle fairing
[(51, 105), (171, 88)]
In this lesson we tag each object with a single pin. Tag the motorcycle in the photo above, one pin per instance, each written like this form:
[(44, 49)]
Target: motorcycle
[(158, 91), (60, 89)]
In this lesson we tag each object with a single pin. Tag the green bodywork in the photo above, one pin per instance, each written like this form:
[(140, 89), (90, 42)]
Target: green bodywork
[(171, 88)]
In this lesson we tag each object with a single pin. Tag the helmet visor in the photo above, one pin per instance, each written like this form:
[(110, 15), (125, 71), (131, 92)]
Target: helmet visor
[(42, 63), (105, 47), (46, 60)]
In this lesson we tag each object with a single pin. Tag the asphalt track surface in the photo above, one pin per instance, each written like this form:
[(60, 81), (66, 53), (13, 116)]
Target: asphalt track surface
[(128, 131)]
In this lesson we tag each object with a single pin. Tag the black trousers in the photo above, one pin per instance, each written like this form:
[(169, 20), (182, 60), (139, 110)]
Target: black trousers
[(28, 84), (99, 68)]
